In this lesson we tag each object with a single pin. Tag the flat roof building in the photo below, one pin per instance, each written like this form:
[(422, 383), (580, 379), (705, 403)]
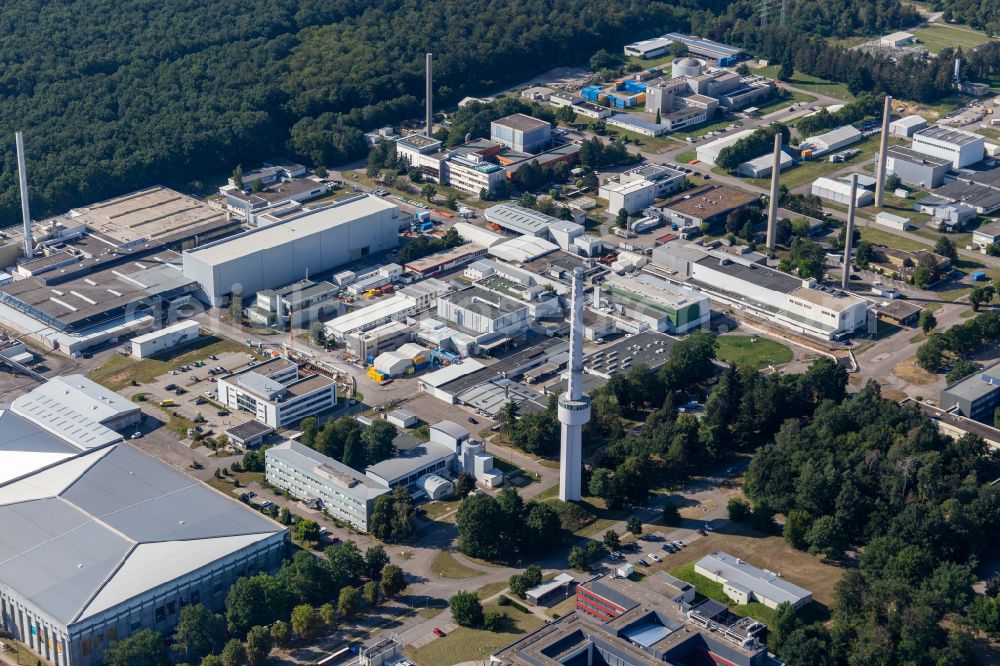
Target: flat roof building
[(521, 133), (976, 396), (706, 204), (709, 152), (648, 48), (407, 468), (101, 545), (916, 168), (155, 342), (445, 260), (155, 215), (763, 292), (646, 301), (743, 583), (722, 53), (657, 621), (961, 148), (281, 253), (274, 393), (345, 493)]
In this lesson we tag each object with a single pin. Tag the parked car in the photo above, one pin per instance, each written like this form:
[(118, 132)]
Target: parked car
[(170, 387), (137, 435), (222, 412), (472, 420), (708, 527), (642, 562), (654, 557), (438, 632)]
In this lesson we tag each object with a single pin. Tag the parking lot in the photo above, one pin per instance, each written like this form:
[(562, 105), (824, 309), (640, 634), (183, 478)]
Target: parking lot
[(191, 392)]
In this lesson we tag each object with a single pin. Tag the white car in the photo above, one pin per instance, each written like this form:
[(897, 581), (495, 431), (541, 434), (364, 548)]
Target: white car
[(654, 557)]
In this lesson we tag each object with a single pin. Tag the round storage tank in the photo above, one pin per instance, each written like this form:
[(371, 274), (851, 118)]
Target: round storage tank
[(687, 66), (435, 486)]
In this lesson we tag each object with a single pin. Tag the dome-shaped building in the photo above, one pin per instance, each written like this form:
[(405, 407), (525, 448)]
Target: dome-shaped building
[(687, 66)]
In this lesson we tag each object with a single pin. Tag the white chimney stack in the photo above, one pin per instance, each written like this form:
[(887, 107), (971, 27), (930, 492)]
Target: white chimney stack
[(430, 94), (29, 248)]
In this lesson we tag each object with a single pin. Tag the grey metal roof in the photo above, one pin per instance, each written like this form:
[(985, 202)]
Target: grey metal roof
[(311, 461), (977, 385), (612, 595), (953, 136), (22, 435), (410, 461), (451, 429), (914, 157), (759, 581), (69, 530)]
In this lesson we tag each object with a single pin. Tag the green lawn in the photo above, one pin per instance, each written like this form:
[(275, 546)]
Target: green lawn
[(744, 350), (686, 156), (464, 644), (446, 566), (790, 97), (699, 130), (936, 36), (119, 371), (881, 237), (809, 83), (713, 590)]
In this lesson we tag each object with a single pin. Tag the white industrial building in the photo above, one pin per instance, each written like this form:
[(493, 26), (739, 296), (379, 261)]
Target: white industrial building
[(276, 394), (648, 48), (896, 40), (107, 542), (833, 140), (300, 303), (472, 457), (433, 383), (170, 337), (763, 292), (69, 403), (407, 468), (907, 126), (424, 153), (407, 301), (281, 253), (646, 302), (523, 249), (839, 191), (484, 312), (477, 235), (761, 167), (519, 220), (744, 583), (709, 152), (960, 147), (897, 222), (308, 475), (638, 188)]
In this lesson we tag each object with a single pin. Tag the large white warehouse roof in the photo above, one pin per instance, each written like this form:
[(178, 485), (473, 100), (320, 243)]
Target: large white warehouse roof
[(96, 530), (280, 233)]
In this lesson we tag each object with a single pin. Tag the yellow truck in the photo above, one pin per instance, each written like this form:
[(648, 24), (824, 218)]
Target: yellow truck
[(169, 402)]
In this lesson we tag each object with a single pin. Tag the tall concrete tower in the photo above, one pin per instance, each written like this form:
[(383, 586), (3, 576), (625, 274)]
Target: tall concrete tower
[(772, 203), (429, 93), (883, 148), (849, 232), (574, 407), (29, 248)]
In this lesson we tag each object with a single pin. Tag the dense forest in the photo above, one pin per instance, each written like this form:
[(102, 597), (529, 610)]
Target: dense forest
[(981, 14), (116, 96)]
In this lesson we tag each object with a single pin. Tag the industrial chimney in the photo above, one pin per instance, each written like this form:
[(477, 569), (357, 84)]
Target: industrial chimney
[(958, 70), (772, 204), (849, 231), (430, 94), (29, 249), (883, 149)]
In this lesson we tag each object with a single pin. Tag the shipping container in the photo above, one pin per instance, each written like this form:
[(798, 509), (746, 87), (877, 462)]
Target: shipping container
[(388, 289)]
